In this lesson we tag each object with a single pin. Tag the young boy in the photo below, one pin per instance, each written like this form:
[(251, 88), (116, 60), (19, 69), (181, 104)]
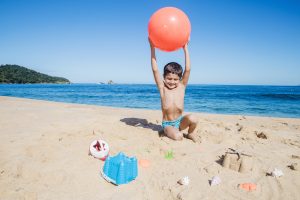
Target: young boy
[(172, 91)]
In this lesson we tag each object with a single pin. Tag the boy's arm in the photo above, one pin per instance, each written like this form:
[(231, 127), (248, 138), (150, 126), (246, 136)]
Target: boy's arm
[(158, 80), (187, 70)]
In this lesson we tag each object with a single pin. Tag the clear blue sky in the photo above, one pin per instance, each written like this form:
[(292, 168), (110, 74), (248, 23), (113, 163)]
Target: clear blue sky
[(88, 41)]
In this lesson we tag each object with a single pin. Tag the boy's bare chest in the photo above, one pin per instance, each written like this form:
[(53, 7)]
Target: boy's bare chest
[(173, 98)]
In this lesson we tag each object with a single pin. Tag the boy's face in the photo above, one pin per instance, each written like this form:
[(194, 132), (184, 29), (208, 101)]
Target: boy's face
[(171, 80)]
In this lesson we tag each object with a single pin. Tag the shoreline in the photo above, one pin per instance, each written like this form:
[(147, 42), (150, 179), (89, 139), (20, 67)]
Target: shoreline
[(145, 109), (192, 84), (44, 153)]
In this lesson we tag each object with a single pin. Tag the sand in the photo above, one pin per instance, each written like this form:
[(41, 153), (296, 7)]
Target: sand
[(44, 153)]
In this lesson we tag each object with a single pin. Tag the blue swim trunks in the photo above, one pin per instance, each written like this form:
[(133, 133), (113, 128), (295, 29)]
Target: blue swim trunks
[(175, 123)]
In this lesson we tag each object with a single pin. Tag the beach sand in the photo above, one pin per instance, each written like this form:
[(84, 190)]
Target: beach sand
[(44, 153)]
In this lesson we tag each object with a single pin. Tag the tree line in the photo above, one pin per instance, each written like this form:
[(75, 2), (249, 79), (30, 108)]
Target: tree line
[(21, 75)]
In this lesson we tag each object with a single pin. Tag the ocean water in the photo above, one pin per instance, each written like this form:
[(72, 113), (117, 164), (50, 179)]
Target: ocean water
[(274, 101)]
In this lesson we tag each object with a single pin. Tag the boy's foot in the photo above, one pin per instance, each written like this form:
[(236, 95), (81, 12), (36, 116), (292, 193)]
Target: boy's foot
[(192, 137)]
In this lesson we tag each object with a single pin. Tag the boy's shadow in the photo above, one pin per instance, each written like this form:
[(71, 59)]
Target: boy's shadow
[(137, 122)]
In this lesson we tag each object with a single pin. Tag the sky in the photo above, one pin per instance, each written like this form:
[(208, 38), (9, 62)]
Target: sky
[(244, 42)]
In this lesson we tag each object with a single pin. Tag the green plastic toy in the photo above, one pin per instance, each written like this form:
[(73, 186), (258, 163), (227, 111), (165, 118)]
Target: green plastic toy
[(169, 155)]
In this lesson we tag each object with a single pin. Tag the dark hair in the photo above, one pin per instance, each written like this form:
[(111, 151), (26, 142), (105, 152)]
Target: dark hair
[(174, 68)]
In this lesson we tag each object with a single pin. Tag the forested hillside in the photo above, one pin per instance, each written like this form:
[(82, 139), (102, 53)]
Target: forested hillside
[(19, 74)]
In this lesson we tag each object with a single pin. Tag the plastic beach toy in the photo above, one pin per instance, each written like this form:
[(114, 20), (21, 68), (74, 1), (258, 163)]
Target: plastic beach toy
[(169, 155), (99, 149), (215, 181), (184, 181), (144, 163), (120, 169), (248, 186), (276, 173), (169, 28)]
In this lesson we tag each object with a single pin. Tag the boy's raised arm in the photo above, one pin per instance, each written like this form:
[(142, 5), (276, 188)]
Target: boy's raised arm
[(158, 80), (187, 70)]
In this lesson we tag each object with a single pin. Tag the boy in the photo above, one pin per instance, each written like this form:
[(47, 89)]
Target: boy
[(172, 91)]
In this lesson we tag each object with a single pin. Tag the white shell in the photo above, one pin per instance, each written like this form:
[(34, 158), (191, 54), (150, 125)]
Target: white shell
[(184, 181), (276, 173), (99, 154), (215, 181)]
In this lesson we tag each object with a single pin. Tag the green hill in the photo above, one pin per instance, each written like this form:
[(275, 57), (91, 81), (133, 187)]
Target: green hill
[(18, 74)]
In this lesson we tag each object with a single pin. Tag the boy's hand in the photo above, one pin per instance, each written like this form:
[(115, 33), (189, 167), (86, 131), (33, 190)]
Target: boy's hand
[(185, 47), (150, 42)]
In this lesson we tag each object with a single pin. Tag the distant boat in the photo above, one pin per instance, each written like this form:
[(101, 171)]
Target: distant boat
[(110, 82)]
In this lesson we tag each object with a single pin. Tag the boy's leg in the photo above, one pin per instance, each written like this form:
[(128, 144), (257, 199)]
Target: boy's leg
[(173, 133), (189, 121)]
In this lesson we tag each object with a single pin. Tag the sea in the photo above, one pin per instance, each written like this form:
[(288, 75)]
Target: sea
[(255, 100)]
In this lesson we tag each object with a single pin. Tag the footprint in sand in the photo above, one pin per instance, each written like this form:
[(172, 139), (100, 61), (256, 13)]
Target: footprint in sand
[(291, 142), (295, 157), (294, 166), (227, 129), (243, 117), (260, 135), (240, 127), (284, 123), (30, 196), (213, 168), (19, 172)]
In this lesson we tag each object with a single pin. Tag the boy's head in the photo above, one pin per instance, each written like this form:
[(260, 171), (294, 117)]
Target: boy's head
[(172, 74)]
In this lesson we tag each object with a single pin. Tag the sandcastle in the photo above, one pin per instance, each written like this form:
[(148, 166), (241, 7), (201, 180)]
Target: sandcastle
[(238, 161)]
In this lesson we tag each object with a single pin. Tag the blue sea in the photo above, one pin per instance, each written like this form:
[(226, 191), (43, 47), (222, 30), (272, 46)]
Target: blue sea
[(274, 101)]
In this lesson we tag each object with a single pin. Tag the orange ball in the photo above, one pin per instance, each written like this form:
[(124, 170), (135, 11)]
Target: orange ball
[(169, 29)]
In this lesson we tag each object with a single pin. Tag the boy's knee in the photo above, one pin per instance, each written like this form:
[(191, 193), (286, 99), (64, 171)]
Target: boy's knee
[(193, 119), (178, 136), (172, 133)]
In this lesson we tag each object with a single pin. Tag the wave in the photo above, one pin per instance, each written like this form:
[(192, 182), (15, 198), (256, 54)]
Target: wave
[(281, 96)]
